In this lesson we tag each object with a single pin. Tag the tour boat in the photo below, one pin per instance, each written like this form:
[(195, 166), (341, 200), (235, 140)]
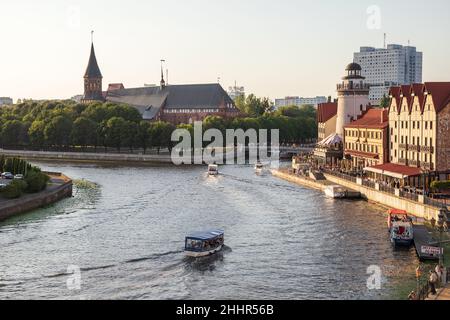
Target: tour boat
[(213, 170), (259, 167), (401, 228), (335, 192), (202, 244)]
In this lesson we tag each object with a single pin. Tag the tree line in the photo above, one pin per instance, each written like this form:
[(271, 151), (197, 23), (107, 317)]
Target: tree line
[(62, 125)]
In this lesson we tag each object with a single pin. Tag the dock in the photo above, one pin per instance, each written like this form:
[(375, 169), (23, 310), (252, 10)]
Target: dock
[(422, 238)]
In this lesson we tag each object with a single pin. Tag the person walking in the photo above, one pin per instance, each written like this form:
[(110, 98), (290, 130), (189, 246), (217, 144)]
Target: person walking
[(433, 281)]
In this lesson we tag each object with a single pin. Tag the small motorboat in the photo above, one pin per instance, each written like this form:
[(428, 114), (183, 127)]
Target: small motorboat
[(206, 243), (401, 229), (335, 192), (259, 167), (213, 170)]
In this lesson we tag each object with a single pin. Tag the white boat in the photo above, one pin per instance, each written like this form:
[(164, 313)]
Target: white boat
[(335, 192), (206, 243), (259, 167), (213, 170)]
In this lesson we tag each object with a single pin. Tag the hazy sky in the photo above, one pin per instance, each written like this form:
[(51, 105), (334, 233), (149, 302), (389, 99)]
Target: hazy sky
[(273, 48)]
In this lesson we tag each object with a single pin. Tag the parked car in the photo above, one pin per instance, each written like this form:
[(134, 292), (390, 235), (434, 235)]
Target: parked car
[(18, 177), (7, 175)]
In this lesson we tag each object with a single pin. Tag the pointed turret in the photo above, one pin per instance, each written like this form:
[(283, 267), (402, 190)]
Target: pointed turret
[(93, 80)]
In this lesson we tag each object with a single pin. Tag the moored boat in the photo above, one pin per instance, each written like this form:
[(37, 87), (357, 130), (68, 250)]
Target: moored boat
[(205, 243), (259, 167), (401, 230), (335, 192), (213, 170)]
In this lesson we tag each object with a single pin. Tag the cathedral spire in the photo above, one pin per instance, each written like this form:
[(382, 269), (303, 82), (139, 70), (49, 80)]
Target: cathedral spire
[(163, 83), (92, 78)]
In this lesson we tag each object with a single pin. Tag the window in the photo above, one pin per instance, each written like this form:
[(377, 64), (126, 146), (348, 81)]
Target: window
[(431, 125), (426, 142), (426, 125)]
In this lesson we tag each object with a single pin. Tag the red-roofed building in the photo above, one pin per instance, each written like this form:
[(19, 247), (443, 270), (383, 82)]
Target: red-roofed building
[(419, 125), (366, 140), (326, 119)]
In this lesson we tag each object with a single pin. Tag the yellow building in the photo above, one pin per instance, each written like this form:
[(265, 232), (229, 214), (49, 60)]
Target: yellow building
[(366, 140), (419, 123)]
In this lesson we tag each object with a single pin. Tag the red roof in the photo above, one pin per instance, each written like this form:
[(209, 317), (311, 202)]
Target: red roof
[(394, 92), (405, 91), (399, 169), (115, 86), (418, 90), (326, 111), (440, 91), (374, 118)]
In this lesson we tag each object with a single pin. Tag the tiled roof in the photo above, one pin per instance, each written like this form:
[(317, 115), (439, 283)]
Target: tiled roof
[(374, 118), (440, 91), (115, 86), (394, 92), (398, 169), (418, 90), (326, 111)]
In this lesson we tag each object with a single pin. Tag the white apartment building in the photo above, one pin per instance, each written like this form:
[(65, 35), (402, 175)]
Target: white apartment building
[(299, 101), (383, 68), (5, 101)]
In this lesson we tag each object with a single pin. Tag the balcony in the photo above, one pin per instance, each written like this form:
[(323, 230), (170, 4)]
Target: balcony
[(427, 166), (427, 149), (413, 147), (414, 163), (354, 86), (403, 161), (403, 146)]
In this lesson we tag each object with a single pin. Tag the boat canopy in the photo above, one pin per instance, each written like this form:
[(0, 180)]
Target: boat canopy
[(397, 212), (206, 235)]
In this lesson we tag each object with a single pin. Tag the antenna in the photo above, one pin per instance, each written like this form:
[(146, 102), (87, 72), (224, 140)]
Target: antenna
[(167, 76), (385, 37)]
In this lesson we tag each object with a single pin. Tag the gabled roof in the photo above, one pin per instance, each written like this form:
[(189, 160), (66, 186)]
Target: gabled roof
[(92, 70), (326, 111), (374, 118), (405, 91), (115, 86), (394, 92), (440, 92), (418, 90), (395, 170)]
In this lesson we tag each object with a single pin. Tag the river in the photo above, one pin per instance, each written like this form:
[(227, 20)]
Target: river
[(126, 236)]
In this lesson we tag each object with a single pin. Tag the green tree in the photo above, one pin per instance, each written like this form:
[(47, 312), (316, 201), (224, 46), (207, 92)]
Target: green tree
[(385, 101), (161, 134), (58, 131), (36, 133), (115, 132), (84, 132), (143, 135), (13, 133)]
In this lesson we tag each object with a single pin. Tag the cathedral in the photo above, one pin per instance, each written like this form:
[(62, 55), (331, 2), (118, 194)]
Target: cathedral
[(176, 104)]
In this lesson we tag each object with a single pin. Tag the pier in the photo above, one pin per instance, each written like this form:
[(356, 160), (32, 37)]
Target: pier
[(422, 238)]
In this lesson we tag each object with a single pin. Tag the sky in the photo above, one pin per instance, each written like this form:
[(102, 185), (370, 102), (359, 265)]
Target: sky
[(273, 48)]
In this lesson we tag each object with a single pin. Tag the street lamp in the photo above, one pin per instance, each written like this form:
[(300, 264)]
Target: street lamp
[(440, 224)]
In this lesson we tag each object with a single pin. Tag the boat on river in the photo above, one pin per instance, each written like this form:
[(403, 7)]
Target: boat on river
[(213, 170), (205, 243), (259, 168), (401, 229), (335, 192)]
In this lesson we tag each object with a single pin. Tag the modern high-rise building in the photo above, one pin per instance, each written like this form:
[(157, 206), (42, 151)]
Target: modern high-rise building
[(299, 101), (393, 66)]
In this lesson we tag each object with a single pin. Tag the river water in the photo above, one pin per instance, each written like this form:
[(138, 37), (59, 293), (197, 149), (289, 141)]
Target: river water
[(126, 238)]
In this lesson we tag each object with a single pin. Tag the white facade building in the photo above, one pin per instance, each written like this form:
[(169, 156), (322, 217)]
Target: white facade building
[(5, 101), (383, 68), (299, 101)]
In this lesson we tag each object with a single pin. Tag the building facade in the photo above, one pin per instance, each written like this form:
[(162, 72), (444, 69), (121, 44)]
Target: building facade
[(419, 120), (366, 140), (176, 104), (392, 66), (326, 119), (299, 101), (5, 101)]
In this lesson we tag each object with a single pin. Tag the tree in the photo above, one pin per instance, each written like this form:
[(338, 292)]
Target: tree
[(115, 132), (13, 133), (385, 101), (143, 135), (84, 132), (36, 180), (130, 131), (161, 134), (36, 133), (58, 131)]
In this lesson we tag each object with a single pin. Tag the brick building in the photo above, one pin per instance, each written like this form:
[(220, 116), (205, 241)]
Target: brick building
[(326, 119)]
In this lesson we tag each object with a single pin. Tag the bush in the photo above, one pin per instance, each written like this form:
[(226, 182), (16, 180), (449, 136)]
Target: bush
[(36, 180), (440, 185), (15, 189)]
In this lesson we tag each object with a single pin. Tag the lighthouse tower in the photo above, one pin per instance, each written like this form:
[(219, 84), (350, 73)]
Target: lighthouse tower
[(353, 97)]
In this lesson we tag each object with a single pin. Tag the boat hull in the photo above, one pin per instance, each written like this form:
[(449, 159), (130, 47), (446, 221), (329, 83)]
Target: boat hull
[(195, 254), (334, 195), (402, 242)]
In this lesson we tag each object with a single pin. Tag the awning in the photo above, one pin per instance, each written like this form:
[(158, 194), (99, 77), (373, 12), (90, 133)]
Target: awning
[(395, 170)]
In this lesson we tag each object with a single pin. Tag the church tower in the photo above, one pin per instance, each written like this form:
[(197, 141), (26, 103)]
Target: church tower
[(353, 97), (92, 80)]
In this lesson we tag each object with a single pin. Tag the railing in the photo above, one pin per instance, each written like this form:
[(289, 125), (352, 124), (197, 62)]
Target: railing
[(354, 86), (403, 146), (414, 163), (368, 183), (403, 161), (340, 175), (413, 147), (437, 203), (387, 189), (427, 149), (409, 195)]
